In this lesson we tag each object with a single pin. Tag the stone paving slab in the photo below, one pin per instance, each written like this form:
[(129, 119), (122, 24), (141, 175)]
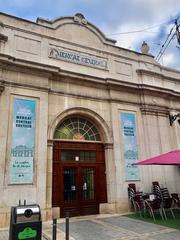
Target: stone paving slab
[(171, 236), (89, 230), (118, 228), (4, 235), (135, 225)]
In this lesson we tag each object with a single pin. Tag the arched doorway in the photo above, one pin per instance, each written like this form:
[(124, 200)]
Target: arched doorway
[(79, 180)]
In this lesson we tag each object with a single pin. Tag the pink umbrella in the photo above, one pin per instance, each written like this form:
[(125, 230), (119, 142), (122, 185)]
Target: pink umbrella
[(170, 158)]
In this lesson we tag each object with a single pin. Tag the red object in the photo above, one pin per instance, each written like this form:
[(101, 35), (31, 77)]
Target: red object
[(170, 158)]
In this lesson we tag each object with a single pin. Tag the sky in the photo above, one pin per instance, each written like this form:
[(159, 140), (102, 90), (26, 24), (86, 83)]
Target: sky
[(129, 22)]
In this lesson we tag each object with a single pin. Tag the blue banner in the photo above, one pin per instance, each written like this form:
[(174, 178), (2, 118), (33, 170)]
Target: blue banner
[(128, 127), (23, 141)]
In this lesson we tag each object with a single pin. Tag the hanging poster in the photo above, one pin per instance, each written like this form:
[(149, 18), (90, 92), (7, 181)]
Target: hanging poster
[(23, 141), (128, 127)]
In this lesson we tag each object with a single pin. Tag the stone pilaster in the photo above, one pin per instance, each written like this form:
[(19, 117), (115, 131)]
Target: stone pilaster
[(49, 174)]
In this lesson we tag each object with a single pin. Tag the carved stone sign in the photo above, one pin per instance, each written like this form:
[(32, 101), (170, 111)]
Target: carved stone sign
[(78, 58)]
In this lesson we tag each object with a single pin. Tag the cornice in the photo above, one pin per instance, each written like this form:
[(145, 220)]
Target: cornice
[(55, 73), (115, 84), (74, 76), (148, 109), (155, 74), (3, 38), (108, 145), (1, 89), (25, 86), (25, 65)]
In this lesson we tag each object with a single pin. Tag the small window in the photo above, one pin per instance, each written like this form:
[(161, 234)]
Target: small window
[(74, 156)]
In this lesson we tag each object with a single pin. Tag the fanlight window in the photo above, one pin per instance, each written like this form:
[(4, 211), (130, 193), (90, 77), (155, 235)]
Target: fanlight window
[(77, 128)]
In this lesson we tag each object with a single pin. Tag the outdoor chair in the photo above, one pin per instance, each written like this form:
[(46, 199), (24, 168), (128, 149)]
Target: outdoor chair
[(139, 204), (160, 192), (154, 206), (176, 199), (132, 186), (165, 193), (156, 190), (155, 183), (135, 197), (167, 206), (132, 192)]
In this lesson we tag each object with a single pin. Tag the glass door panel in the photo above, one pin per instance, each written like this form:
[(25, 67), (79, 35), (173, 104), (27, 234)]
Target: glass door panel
[(88, 184), (73, 155), (70, 184)]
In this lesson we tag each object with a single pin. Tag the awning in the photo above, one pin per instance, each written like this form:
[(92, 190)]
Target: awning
[(170, 158)]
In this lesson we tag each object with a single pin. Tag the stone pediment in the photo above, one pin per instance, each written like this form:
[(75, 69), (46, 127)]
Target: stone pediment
[(76, 29)]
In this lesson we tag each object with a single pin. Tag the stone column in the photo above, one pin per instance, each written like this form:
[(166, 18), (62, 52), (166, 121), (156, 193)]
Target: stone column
[(111, 180), (110, 172), (49, 180)]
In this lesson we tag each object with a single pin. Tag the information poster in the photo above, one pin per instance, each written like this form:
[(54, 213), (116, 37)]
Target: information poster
[(128, 126), (23, 141)]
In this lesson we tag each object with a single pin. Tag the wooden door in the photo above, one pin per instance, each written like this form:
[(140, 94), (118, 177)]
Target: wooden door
[(79, 181), (78, 191)]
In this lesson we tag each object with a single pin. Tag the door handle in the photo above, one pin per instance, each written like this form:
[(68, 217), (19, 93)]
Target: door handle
[(73, 188), (85, 186)]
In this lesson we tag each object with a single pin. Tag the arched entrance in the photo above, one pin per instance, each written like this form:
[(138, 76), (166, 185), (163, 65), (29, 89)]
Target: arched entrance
[(79, 180)]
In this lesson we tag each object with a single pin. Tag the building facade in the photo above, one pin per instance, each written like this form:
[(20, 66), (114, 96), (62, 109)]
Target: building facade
[(76, 111)]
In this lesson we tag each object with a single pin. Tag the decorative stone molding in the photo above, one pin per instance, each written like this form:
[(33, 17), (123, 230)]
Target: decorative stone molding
[(100, 123), (1, 25), (1, 88), (108, 145), (23, 65), (155, 74), (154, 110), (3, 38), (50, 143), (79, 18)]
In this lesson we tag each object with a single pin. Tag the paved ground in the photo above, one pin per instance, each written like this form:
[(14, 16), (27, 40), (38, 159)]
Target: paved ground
[(107, 227), (112, 228)]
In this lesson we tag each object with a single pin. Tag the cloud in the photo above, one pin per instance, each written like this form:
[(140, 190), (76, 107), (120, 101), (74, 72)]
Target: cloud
[(155, 19), (130, 37), (19, 3), (168, 59)]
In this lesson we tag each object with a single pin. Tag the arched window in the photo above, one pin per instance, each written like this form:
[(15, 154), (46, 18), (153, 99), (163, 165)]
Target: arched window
[(77, 128)]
